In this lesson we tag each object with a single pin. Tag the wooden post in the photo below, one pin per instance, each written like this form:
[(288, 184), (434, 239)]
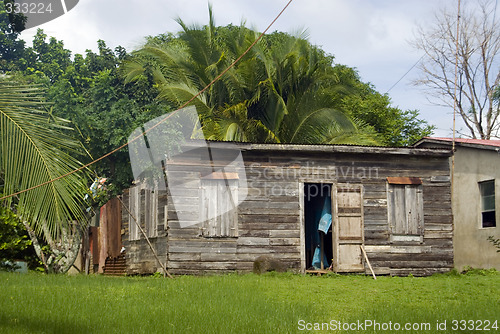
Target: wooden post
[(368, 261), (321, 250)]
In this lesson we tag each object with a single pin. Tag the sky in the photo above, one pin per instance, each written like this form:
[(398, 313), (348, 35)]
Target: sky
[(372, 36)]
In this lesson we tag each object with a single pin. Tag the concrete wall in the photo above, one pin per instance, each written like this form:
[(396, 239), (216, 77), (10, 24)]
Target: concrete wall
[(470, 240)]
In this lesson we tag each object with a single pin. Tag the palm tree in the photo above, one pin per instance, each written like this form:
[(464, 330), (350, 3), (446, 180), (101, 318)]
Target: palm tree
[(283, 90), (303, 94), (34, 149)]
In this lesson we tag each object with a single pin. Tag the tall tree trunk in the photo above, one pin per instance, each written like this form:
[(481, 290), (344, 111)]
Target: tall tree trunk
[(63, 252), (36, 245)]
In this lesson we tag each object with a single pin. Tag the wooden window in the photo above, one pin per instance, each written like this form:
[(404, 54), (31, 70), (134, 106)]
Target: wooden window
[(218, 209), (406, 210), (487, 189), (143, 205)]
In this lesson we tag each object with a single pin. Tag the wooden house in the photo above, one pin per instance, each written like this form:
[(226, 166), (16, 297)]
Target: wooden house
[(306, 206)]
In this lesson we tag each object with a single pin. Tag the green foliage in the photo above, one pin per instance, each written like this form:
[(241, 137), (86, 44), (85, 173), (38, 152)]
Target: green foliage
[(45, 60), (105, 110), (283, 90), (269, 303), (495, 242), (89, 92), (397, 127), (13, 238), (11, 48), (478, 271), (36, 148)]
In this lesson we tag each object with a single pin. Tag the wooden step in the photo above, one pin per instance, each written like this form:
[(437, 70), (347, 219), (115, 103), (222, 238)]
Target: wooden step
[(116, 266)]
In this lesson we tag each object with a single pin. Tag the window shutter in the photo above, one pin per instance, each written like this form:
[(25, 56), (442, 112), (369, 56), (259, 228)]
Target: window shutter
[(151, 212), (405, 209), (134, 200), (218, 210)]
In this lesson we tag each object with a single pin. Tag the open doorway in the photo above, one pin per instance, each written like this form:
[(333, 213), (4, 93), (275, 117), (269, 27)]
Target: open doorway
[(318, 225)]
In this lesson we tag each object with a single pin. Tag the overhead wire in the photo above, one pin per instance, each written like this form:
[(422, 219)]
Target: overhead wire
[(457, 38), (411, 68), (163, 120), (404, 75)]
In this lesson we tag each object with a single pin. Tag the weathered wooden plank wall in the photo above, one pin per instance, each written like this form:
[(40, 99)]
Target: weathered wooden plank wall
[(269, 218)]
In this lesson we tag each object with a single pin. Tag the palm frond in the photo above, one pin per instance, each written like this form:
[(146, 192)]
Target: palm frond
[(34, 149), (180, 93)]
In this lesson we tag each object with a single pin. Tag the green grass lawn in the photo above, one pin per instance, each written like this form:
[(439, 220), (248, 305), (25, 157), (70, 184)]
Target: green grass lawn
[(270, 303)]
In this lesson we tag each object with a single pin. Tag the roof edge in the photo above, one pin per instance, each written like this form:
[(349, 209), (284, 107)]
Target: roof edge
[(449, 142), (352, 149)]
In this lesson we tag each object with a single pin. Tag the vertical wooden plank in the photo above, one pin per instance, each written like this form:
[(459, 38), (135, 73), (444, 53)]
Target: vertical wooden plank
[(131, 207), (414, 204), (233, 217), (212, 200), (411, 210), (335, 228), (154, 212), (399, 209), (113, 234), (165, 217), (209, 200), (94, 244), (302, 220), (134, 207), (221, 208), (420, 210), (391, 202), (203, 207), (147, 211), (141, 208), (103, 238)]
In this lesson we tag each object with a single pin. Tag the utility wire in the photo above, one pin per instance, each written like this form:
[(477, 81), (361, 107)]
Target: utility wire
[(413, 66), (170, 115), (404, 75)]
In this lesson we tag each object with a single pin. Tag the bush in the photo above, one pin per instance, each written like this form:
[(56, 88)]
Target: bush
[(478, 271), (15, 243)]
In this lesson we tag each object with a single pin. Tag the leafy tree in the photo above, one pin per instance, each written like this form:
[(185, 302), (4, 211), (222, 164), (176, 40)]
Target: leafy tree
[(105, 111), (14, 240), (396, 127), (279, 92), (477, 57), (45, 60), (11, 48), (89, 92), (283, 90)]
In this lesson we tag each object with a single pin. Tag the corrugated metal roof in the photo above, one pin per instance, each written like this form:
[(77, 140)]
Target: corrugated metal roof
[(337, 148), (489, 142), (484, 144)]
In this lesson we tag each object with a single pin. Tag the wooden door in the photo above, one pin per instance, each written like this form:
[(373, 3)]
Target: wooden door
[(348, 227)]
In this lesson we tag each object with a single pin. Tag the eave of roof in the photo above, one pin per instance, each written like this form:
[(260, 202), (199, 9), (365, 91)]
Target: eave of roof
[(352, 149)]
